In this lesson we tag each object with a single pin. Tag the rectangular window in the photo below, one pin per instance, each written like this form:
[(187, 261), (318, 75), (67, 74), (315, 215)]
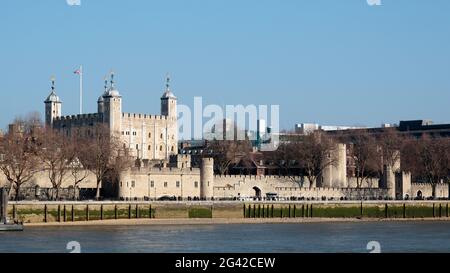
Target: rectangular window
[(133, 184), (196, 184), (165, 184), (152, 184), (178, 184)]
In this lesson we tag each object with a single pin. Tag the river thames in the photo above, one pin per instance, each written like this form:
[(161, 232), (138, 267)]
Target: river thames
[(341, 237)]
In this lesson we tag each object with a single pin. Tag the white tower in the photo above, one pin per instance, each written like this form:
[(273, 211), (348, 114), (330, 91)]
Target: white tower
[(53, 106)]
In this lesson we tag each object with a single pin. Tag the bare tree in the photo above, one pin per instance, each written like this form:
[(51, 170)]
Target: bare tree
[(389, 144), (364, 154), (226, 153), (432, 159), (79, 173), (315, 153), (18, 156), (57, 154), (284, 158), (30, 123), (103, 154)]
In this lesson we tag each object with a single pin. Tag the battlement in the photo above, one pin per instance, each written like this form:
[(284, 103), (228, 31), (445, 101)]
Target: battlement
[(143, 116), (83, 117), (165, 171), (257, 177), (426, 184), (208, 160)]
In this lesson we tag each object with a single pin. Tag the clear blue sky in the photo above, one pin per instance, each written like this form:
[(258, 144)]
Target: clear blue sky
[(326, 61)]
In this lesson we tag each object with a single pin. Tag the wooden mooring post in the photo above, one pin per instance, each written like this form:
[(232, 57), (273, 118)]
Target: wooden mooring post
[(45, 214), (87, 212), (64, 214), (14, 212)]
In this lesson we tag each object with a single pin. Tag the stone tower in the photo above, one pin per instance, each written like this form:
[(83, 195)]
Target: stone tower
[(390, 172), (335, 174), (101, 105), (53, 106), (112, 107), (207, 179), (388, 182), (340, 169), (169, 102)]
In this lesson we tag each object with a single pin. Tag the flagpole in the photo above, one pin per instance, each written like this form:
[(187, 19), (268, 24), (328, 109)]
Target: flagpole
[(81, 89)]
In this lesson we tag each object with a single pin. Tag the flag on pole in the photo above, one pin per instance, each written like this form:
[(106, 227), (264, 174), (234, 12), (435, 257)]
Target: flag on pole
[(79, 72)]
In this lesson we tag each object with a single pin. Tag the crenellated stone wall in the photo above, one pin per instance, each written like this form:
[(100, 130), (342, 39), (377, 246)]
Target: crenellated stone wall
[(425, 190)]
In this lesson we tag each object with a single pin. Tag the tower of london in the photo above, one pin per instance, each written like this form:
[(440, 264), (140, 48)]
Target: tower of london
[(154, 138)]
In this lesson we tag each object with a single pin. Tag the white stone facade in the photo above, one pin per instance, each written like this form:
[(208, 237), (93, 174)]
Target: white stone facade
[(152, 137)]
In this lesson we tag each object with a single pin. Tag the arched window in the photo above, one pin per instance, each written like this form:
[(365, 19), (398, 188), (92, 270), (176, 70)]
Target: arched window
[(160, 148), (149, 147), (149, 135)]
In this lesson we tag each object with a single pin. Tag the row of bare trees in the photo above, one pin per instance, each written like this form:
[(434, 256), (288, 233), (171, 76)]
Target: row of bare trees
[(312, 155), (426, 157), (227, 153), (29, 148)]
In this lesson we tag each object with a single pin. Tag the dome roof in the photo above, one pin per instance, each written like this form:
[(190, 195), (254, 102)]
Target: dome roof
[(53, 97), (112, 92), (101, 99), (168, 95)]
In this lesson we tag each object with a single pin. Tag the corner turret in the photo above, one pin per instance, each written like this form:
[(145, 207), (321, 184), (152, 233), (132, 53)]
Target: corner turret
[(169, 102), (53, 106)]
